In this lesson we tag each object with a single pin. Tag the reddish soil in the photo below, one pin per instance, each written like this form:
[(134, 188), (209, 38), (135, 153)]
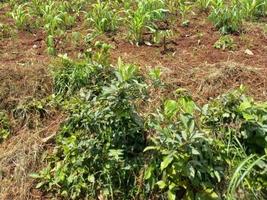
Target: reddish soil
[(192, 63)]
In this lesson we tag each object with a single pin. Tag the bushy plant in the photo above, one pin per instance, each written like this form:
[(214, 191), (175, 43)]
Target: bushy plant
[(237, 114), (241, 123), (99, 146), (213, 152), (186, 162), (71, 76)]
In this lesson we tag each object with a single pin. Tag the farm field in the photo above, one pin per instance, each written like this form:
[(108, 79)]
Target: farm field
[(133, 99)]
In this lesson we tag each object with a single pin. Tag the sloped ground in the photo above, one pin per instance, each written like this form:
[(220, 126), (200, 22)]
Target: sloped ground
[(192, 63)]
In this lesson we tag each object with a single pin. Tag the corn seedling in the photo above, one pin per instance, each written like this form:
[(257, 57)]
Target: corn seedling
[(253, 8), (21, 17), (143, 18), (161, 36), (204, 5), (51, 47), (226, 18), (184, 8), (103, 18)]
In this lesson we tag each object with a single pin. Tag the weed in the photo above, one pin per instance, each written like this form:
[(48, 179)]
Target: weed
[(225, 42), (4, 126), (185, 162)]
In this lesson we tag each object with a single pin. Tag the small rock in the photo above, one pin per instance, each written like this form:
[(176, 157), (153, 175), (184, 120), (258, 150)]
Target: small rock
[(35, 46), (249, 52)]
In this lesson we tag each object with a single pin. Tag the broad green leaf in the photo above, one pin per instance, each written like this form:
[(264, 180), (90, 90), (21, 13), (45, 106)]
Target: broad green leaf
[(161, 184), (165, 163), (171, 195), (170, 108), (91, 178), (148, 172)]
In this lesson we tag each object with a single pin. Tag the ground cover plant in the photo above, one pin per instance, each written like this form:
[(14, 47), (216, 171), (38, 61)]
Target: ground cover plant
[(133, 99)]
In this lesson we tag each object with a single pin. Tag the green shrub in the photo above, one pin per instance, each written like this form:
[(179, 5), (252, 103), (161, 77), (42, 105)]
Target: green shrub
[(210, 152), (99, 148), (186, 162), (72, 76), (237, 114)]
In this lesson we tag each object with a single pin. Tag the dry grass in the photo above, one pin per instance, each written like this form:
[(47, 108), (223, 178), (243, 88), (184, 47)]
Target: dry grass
[(21, 83), (20, 156), (209, 81)]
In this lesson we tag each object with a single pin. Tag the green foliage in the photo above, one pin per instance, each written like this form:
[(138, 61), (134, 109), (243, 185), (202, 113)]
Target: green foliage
[(4, 126), (240, 117), (155, 76), (211, 152), (143, 18), (226, 18), (51, 48), (21, 17), (241, 124), (99, 146), (186, 162), (204, 5), (243, 170), (72, 76), (103, 17), (225, 42), (253, 8), (184, 8)]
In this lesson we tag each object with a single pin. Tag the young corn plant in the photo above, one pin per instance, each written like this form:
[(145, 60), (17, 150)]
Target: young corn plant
[(226, 18), (21, 17), (184, 8), (253, 8), (51, 47), (204, 5), (100, 53), (173, 6), (161, 37), (103, 18), (143, 18)]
